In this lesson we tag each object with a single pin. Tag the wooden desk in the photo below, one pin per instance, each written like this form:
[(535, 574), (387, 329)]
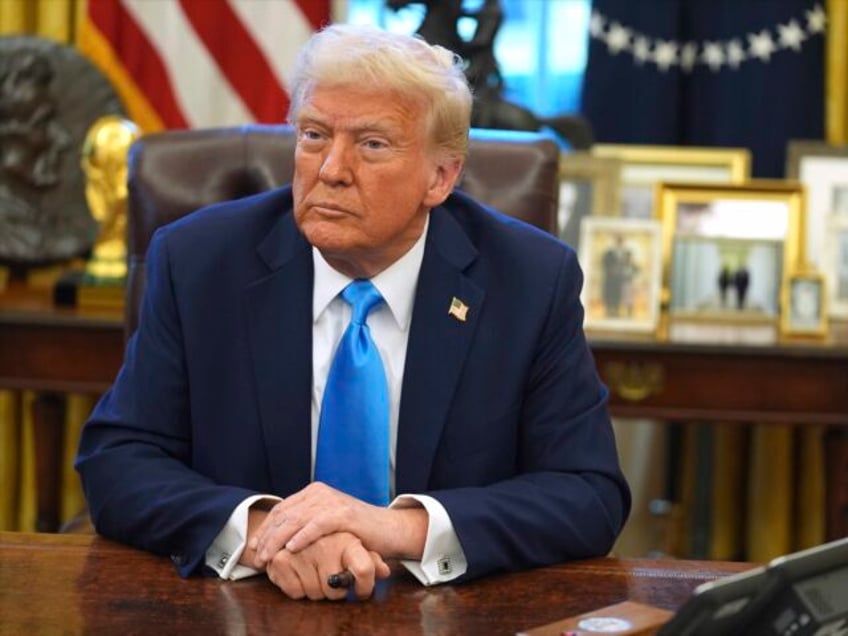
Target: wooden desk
[(57, 350), (801, 384), (54, 351), (784, 383), (69, 584), (51, 350)]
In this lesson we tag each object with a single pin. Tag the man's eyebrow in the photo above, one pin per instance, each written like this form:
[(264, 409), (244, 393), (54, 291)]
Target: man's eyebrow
[(380, 126), (309, 117)]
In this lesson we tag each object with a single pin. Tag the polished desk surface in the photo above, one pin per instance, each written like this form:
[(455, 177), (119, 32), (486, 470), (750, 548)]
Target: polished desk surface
[(72, 584)]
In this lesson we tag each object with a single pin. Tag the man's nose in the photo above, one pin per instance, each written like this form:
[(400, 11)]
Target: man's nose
[(337, 167)]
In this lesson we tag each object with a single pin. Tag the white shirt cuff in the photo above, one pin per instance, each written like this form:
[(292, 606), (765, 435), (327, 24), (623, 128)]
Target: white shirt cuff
[(224, 553), (443, 559)]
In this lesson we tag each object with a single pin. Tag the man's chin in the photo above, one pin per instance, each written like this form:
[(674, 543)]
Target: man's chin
[(328, 238)]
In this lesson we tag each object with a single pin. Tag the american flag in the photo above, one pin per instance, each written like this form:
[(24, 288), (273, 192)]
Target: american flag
[(200, 63)]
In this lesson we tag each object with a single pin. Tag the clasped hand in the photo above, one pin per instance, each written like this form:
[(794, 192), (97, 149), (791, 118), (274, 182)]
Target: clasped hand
[(319, 531)]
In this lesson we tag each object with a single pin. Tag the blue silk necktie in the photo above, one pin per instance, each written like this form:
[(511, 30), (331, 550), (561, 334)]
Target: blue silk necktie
[(353, 432)]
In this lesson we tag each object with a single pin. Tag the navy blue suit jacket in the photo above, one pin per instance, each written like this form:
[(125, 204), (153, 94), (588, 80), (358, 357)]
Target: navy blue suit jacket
[(502, 416)]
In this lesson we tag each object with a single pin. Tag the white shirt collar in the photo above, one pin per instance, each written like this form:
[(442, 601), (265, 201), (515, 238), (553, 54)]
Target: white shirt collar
[(393, 283)]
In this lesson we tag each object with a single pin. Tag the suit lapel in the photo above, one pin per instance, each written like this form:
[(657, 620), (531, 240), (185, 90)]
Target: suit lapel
[(280, 333), (438, 345)]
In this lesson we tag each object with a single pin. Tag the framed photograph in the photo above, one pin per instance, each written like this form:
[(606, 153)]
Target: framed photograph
[(643, 167), (589, 186), (823, 169), (622, 265), (728, 249), (834, 265), (805, 305)]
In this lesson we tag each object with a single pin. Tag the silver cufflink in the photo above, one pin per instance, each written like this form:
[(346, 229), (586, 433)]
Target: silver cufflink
[(444, 565)]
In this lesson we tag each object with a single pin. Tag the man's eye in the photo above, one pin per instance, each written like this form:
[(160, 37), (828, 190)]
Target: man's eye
[(310, 135), (375, 144)]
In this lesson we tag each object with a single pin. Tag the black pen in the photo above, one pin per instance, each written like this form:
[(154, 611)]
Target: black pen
[(341, 580)]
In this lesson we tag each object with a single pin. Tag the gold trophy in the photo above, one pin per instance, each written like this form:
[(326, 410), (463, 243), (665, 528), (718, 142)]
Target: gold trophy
[(104, 162)]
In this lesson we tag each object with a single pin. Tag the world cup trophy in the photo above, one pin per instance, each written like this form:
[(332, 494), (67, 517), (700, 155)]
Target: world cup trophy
[(104, 163)]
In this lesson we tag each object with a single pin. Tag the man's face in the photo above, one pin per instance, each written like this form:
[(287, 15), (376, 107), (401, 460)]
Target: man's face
[(365, 176)]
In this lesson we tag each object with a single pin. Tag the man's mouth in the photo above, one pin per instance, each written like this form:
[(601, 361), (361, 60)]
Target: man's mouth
[(329, 209)]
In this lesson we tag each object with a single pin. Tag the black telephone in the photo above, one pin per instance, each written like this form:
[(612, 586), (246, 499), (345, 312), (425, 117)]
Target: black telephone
[(800, 594)]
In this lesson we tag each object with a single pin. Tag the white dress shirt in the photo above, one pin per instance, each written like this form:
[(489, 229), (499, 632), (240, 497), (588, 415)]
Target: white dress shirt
[(443, 559)]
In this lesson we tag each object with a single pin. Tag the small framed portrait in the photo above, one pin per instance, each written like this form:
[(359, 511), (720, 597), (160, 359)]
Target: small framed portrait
[(589, 186), (728, 250), (622, 265), (805, 305), (834, 265), (643, 167), (823, 169)]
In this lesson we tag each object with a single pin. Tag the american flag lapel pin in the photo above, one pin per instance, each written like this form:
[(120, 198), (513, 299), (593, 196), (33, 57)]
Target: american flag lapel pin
[(458, 309)]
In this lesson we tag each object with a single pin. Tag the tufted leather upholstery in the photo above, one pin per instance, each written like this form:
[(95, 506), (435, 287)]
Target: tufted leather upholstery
[(173, 173)]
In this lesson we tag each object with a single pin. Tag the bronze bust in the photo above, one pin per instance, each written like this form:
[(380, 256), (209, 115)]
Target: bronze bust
[(49, 97)]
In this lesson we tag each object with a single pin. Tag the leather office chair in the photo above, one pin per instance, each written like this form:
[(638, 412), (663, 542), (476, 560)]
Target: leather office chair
[(175, 172)]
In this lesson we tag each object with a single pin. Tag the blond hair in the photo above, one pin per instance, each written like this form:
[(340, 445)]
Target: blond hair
[(345, 54)]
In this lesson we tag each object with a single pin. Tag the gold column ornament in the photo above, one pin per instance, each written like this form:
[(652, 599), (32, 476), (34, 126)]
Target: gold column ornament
[(836, 66), (104, 162)]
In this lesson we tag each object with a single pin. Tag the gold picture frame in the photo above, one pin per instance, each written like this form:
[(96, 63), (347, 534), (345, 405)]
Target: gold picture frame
[(823, 169), (728, 251), (622, 266), (644, 166), (804, 302), (589, 186), (834, 265)]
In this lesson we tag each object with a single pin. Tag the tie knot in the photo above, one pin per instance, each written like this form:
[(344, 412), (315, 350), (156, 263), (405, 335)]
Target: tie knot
[(362, 296)]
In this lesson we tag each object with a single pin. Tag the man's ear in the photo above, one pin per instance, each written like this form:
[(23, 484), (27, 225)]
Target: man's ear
[(444, 178)]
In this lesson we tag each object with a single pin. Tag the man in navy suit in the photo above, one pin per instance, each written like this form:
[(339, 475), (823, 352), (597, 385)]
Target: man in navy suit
[(501, 452)]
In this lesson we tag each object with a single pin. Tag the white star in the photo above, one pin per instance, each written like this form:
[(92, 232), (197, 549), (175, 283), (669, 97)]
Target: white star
[(735, 53), (761, 45), (791, 35), (816, 19), (665, 54), (596, 25), (641, 49), (713, 55), (618, 38), (688, 56)]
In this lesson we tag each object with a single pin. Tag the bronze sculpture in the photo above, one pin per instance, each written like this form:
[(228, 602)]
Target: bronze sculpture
[(491, 109), (49, 96)]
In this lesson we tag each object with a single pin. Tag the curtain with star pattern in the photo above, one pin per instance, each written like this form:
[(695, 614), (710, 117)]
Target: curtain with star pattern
[(719, 73)]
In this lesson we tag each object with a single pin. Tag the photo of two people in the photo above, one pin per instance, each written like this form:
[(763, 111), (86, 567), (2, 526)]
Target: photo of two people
[(622, 267)]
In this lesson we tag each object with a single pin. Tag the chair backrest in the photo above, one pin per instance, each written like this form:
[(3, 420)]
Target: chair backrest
[(176, 172)]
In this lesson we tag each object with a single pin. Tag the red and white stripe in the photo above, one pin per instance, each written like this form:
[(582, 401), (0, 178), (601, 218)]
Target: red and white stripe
[(201, 63)]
